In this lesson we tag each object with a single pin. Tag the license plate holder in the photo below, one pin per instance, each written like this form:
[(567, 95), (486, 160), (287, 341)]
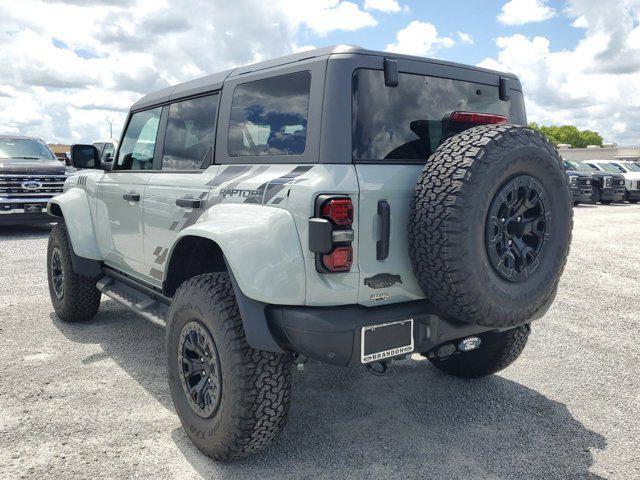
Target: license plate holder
[(379, 342), (32, 208)]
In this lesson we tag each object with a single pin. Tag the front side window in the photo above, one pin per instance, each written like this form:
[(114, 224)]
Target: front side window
[(188, 143), (269, 116), (139, 142), (21, 149), (410, 121)]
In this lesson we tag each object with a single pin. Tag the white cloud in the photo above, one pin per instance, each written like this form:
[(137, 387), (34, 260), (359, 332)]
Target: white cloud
[(594, 85), (68, 65), (387, 6), (465, 38), (419, 38), (323, 16), (519, 12)]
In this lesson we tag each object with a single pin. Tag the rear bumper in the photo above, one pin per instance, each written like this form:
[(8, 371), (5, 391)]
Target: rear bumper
[(333, 334)]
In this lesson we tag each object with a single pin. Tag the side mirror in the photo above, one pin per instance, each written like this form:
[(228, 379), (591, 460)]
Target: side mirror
[(85, 156)]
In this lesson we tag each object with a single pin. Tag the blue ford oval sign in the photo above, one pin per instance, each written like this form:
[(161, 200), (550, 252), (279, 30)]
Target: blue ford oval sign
[(31, 185)]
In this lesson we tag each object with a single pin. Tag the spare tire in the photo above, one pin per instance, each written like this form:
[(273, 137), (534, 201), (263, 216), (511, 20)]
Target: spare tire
[(490, 226)]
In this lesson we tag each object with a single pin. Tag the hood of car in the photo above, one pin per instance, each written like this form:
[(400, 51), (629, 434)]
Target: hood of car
[(632, 175), (31, 167), (575, 173)]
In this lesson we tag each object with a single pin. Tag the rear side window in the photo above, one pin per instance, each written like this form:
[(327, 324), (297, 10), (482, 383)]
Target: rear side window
[(188, 143), (139, 142), (409, 122), (269, 117)]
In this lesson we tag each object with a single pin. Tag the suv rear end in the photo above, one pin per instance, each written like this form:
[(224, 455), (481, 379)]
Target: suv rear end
[(30, 175)]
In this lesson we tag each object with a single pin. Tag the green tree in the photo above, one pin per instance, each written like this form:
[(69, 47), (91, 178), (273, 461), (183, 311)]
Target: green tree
[(568, 134)]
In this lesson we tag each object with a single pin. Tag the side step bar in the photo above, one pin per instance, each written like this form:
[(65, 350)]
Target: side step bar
[(134, 299)]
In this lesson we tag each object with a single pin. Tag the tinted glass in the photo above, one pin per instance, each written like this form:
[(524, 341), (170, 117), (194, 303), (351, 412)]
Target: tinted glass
[(188, 143), (408, 122), (269, 117), (139, 142), (22, 149)]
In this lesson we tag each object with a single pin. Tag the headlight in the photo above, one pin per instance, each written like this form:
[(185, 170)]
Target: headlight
[(574, 180), (608, 182), (587, 182)]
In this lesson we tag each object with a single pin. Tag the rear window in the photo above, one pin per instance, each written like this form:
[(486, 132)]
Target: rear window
[(269, 117), (408, 122)]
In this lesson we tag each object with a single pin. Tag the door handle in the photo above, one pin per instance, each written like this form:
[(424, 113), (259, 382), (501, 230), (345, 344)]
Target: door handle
[(189, 202), (131, 197), (382, 246)]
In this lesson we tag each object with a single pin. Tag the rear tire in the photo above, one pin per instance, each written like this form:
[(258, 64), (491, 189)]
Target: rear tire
[(490, 226), (497, 351), (245, 405), (74, 297)]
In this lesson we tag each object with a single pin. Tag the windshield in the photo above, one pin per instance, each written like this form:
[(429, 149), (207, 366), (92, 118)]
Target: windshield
[(580, 166), (632, 167), (25, 149), (607, 167), (408, 122)]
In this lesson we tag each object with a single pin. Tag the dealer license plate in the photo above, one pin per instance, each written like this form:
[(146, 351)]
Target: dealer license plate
[(33, 208), (387, 340)]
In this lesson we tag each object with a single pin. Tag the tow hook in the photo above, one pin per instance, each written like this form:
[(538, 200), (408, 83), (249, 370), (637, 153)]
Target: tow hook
[(378, 368)]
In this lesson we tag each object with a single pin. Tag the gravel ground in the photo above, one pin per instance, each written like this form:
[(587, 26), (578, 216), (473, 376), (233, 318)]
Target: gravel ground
[(91, 400)]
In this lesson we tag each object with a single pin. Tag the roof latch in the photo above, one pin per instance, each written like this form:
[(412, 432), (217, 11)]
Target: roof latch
[(504, 89), (390, 72)]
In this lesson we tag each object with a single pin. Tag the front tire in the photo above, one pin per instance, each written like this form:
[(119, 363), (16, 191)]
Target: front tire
[(497, 351), (74, 297), (232, 400)]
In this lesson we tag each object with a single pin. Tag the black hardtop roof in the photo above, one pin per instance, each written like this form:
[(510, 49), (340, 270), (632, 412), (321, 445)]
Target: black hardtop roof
[(215, 81)]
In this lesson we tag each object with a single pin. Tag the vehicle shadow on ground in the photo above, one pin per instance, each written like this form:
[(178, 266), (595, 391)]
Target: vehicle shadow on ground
[(415, 422), (24, 232)]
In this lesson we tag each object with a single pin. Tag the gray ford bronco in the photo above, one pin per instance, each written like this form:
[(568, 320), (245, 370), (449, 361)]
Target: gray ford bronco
[(343, 205)]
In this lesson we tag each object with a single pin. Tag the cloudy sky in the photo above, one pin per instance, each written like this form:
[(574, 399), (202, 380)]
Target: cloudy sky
[(67, 68)]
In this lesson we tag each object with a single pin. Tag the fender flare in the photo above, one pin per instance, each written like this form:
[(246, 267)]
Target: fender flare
[(264, 258), (261, 247), (79, 224)]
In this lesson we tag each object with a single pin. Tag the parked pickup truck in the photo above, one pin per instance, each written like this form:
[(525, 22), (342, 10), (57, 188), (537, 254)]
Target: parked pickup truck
[(341, 204), (580, 182), (631, 173), (30, 175), (609, 181)]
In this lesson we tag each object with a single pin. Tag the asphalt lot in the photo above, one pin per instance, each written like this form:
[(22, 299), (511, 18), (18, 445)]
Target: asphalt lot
[(91, 400)]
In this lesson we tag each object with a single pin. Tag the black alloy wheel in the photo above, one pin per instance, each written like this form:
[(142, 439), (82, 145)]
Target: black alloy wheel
[(518, 225), (200, 369), (57, 273)]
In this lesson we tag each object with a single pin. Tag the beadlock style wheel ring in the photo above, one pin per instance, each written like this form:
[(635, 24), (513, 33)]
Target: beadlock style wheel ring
[(199, 367), (517, 227), (57, 274)]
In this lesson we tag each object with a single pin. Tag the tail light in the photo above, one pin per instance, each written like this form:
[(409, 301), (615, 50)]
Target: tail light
[(330, 235), (339, 211), (339, 260), (478, 118)]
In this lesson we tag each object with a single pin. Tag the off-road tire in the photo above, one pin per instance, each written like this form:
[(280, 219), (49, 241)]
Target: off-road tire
[(255, 385), (80, 299), (496, 352), (449, 215)]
